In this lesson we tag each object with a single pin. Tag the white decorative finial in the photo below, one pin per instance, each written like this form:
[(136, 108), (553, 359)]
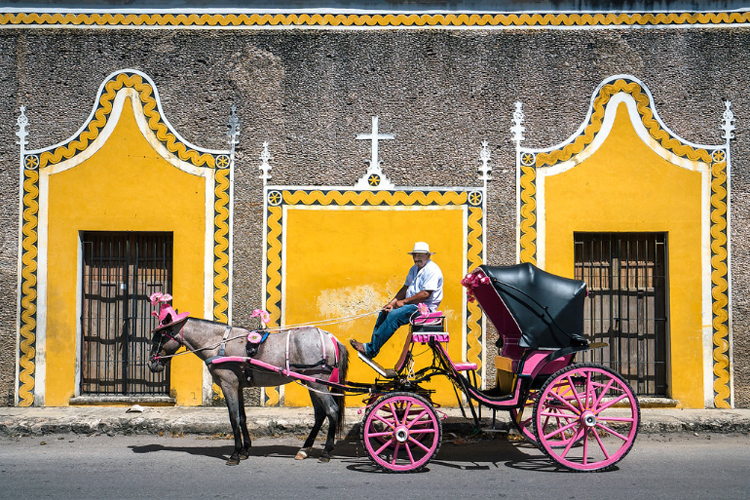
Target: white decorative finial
[(728, 125), (484, 156), (234, 127), (22, 123), (265, 167), (518, 129), (374, 178)]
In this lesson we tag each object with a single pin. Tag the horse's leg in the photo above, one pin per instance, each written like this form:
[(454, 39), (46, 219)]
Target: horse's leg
[(320, 415), (245, 453), (230, 387), (330, 406)]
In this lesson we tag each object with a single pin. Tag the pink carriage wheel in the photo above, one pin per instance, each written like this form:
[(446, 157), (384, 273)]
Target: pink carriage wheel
[(401, 432), (523, 420), (586, 418)]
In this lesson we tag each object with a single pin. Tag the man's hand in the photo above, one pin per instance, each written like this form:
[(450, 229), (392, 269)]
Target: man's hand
[(401, 302), (393, 304)]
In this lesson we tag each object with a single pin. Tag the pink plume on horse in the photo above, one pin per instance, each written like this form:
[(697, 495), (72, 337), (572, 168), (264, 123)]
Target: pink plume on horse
[(157, 297), (263, 315)]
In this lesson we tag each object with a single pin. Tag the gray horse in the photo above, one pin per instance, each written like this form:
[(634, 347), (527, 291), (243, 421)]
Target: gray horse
[(308, 351)]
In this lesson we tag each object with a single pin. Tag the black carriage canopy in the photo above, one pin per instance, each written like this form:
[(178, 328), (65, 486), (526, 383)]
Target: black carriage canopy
[(547, 308)]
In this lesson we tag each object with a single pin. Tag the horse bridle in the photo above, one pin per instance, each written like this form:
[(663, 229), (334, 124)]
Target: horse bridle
[(162, 334)]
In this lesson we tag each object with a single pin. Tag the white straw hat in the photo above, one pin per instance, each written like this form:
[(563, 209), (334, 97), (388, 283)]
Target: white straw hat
[(421, 247)]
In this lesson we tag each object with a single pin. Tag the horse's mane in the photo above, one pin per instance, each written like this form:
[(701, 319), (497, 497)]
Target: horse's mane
[(217, 323)]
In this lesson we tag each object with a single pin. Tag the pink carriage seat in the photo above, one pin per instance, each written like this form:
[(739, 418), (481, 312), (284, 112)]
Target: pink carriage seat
[(429, 326), (432, 319)]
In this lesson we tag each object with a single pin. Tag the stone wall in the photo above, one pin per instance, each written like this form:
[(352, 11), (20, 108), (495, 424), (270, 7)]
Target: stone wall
[(308, 92)]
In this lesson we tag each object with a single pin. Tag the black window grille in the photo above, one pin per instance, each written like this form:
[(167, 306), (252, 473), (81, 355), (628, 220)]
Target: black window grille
[(120, 271), (626, 274)]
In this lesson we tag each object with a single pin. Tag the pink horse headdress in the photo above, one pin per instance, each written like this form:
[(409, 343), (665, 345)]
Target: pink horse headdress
[(167, 315)]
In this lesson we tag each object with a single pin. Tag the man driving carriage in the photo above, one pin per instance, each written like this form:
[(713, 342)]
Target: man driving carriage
[(423, 285)]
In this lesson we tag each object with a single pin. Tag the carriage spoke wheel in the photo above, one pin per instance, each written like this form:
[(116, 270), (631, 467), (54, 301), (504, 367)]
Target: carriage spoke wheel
[(401, 432), (523, 420), (586, 418)]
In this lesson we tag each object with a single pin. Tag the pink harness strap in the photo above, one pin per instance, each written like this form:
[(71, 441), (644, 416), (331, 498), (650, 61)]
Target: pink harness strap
[(335, 371)]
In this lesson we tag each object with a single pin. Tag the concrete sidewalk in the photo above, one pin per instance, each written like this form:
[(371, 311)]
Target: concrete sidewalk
[(92, 420)]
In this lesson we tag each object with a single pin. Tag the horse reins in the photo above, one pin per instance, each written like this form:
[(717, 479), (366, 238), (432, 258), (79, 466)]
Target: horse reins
[(226, 337)]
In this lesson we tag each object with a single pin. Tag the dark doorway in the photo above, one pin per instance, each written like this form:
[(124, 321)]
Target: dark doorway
[(120, 271), (626, 274)]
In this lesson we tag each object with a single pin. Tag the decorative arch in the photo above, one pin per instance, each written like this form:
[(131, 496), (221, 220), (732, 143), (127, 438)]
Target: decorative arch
[(311, 233), (622, 109), (127, 109)]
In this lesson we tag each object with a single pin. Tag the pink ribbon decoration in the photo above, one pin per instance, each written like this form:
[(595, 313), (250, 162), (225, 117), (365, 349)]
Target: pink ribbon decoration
[(423, 309), (263, 315), (471, 282), (254, 338)]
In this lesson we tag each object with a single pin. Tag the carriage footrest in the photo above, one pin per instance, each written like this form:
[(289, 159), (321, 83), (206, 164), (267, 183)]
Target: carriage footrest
[(383, 372)]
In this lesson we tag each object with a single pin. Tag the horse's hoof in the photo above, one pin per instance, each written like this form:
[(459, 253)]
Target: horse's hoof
[(324, 460), (244, 456), (233, 461), (301, 455)]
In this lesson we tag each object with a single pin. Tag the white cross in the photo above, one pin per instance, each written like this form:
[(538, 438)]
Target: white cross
[(374, 136)]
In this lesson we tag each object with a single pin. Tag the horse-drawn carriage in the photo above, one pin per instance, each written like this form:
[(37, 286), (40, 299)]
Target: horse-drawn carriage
[(583, 416)]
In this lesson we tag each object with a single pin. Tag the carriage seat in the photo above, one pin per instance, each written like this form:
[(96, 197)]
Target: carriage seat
[(431, 322)]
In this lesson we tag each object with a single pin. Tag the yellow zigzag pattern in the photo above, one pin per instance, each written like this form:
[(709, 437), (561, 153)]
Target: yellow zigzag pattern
[(28, 288), (720, 285), (528, 215), (474, 256), (597, 117), (359, 198), (221, 256), (273, 285), (150, 110), (374, 20)]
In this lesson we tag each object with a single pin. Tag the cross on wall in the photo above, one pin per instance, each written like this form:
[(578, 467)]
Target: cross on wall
[(374, 136)]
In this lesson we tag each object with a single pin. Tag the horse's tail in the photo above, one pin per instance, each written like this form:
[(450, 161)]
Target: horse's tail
[(343, 369)]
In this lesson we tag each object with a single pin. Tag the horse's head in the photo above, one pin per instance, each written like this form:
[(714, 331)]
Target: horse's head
[(164, 343)]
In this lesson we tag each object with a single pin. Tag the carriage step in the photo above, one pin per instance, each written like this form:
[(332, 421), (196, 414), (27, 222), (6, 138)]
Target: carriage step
[(494, 429), (383, 372)]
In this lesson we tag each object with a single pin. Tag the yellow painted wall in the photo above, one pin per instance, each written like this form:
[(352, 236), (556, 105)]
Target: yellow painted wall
[(626, 186), (125, 186), (343, 262)]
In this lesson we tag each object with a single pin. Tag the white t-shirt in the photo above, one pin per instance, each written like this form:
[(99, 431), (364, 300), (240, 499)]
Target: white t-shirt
[(429, 278)]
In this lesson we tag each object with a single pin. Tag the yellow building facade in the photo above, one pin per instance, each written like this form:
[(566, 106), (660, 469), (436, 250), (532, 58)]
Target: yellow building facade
[(125, 172), (625, 173), (328, 257)]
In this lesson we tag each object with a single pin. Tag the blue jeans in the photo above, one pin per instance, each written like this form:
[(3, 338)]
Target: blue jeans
[(386, 326)]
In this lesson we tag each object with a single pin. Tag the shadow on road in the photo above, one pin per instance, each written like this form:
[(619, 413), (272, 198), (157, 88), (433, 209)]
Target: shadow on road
[(470, 454)]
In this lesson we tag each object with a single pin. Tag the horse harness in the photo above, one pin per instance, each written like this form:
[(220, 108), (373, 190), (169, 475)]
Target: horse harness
[(252, 347)]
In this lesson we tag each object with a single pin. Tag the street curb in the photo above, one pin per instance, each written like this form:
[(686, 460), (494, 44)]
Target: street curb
[(273, 422)]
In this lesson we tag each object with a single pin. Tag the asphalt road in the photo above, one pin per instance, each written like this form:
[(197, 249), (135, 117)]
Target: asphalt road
[(682, 466)]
